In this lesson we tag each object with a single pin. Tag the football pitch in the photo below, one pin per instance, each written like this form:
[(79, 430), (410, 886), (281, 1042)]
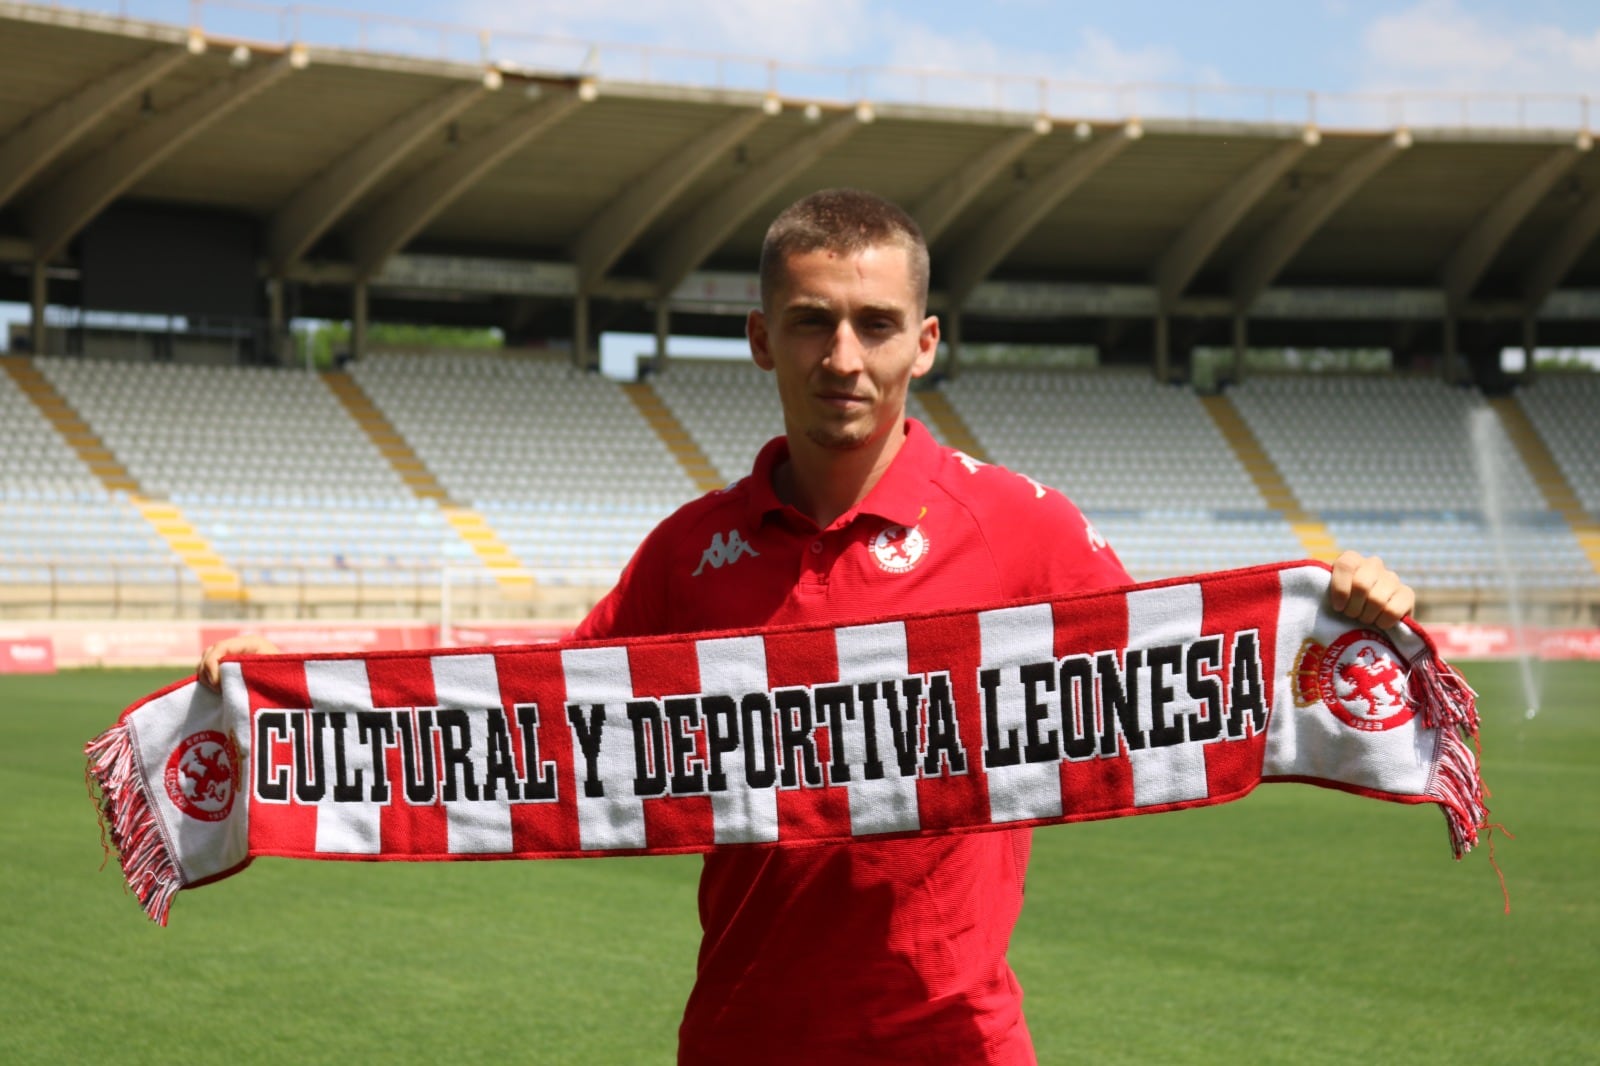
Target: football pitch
[(1297, 926)]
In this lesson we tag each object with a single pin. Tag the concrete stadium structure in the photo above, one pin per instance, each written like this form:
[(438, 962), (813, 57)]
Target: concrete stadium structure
[(262, 164)]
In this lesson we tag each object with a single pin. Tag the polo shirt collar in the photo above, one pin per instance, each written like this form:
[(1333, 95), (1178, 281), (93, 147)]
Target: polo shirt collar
[(900, 496)]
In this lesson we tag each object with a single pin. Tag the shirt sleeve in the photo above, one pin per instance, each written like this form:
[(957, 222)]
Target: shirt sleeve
[(637, 605), (1055, 550)]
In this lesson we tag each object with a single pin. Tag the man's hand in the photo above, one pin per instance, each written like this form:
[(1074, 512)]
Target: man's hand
[(209, 672), (1366, 590)]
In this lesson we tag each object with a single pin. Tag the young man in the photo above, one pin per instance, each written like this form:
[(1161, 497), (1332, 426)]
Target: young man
[(886, 951)]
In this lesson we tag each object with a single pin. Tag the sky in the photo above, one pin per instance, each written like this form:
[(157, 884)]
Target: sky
[(1326, 45)]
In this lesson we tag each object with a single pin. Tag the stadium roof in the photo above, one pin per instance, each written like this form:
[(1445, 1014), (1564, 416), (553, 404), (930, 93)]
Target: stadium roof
[(473, 189)]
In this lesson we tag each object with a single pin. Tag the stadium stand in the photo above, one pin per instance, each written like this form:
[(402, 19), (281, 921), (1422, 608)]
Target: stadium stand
[(556, 460), (1420, 458), (35, 463), (564, 469), (285, 487), (61, 525), (1111, 441), (182, 432), (1143, 460), (727, 407), (1565, 409), (1410, 493)]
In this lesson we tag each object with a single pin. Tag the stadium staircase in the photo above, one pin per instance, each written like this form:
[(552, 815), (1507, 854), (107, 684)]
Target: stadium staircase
[(393, 447), (674, 436), (1547, 476), (72, 428), (470, 525), (1308, 528), (949, 425), (218, 581)]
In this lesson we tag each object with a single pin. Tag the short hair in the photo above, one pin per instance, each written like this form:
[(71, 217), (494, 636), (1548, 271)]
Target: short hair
[(846, 221)]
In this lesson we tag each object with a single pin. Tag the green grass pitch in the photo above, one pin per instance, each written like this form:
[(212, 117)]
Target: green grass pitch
[(1299, 926)]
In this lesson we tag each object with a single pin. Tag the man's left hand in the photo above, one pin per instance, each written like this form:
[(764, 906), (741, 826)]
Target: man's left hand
[(1366, 590)]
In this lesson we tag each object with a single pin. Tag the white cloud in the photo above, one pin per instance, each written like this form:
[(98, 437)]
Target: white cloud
[(1094, 57), (833, 33), (1438, 45), (799, 30), (1077, 73)]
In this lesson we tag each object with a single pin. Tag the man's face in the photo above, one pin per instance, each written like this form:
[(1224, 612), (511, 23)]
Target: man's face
[(844, 336)]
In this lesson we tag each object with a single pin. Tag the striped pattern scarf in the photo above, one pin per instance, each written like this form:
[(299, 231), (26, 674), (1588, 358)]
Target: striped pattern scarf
[(1156, 697)]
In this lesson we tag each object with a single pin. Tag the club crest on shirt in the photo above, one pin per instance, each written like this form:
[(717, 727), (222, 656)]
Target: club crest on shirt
[(896, 549), (201, 775), (1360, 678)]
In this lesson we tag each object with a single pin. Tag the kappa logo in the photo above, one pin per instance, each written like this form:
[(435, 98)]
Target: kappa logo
[(972, 465), (897, 549), (724, 549), (1360, 678), (202, 775)]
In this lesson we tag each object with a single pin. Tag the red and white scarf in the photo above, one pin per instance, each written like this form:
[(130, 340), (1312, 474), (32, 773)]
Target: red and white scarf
[(1157, 697)]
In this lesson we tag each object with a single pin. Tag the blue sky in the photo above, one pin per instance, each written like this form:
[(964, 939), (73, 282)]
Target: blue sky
[(1327, 45)]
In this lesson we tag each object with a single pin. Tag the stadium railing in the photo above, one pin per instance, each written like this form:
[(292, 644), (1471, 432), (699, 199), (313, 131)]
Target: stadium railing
[(276, 590), (56, 589)]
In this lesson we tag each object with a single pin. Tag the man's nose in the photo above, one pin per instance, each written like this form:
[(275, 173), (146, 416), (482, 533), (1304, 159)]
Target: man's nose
[(845, 354)]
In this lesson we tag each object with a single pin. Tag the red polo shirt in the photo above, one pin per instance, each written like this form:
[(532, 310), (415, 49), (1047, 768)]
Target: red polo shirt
[(867, 952)]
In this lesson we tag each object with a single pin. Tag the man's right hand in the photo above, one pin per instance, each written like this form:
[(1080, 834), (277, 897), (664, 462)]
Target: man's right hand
[(210, 672)]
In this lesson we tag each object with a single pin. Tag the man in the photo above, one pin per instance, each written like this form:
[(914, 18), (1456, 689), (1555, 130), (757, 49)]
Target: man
[(869, 952)]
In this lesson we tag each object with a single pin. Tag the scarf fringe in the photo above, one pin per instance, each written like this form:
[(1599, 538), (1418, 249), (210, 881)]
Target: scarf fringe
[(128, 817), (1449, 704)]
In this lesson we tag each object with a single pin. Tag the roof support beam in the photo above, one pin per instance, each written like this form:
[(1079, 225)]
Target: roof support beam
[(1272, 252), (323, 200), (1471, 259), (1200, 238), (1003, 230), (944, 203), (44, 136), (1571, 241), (604, 240), (698, 236), (81, 194), (405, 212)]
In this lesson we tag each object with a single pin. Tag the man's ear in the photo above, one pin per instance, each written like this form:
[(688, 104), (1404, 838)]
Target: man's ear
[(927, 346), (755, 328)]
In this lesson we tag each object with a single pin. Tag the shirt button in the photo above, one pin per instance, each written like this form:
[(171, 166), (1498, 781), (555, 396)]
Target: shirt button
[(816, 547)]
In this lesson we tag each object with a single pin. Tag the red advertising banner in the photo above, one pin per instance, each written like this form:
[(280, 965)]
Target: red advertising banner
[(500, 634), (35, 656), (302, 639), (1473, 641)]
